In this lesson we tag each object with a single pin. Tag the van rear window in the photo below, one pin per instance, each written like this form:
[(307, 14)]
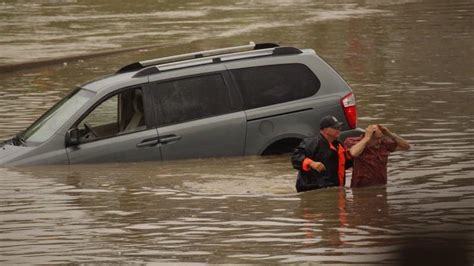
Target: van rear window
[(267, 85)]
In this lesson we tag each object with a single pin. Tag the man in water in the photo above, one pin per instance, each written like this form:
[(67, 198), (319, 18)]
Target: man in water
[(321, 160), (370, 155)]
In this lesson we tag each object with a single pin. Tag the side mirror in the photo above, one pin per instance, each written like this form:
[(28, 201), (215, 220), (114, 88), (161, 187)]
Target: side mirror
[(72, 137)]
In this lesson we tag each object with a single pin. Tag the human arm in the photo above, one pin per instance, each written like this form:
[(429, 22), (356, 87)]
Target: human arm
[(301, 159), (402, 144), (359, 147)]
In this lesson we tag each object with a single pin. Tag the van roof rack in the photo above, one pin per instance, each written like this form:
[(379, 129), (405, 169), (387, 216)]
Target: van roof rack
[(197, 55), (216, 59)]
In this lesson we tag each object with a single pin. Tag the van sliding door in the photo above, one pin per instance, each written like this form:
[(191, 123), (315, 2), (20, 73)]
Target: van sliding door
[(196, 118)]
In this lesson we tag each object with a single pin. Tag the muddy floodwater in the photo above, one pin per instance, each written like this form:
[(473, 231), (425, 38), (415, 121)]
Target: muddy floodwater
[(410, 64)]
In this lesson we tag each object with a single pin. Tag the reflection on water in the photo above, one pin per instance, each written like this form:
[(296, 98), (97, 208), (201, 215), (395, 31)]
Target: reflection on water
[(409, 63), (179, 212)]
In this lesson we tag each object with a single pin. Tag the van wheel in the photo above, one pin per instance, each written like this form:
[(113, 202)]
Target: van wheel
[(282, 146)]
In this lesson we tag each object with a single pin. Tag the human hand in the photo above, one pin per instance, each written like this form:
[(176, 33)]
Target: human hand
[(318, 166), (369, 131), (384, 130)]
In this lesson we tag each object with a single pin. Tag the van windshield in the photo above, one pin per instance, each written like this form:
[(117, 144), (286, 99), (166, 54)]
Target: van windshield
[(55, 117)]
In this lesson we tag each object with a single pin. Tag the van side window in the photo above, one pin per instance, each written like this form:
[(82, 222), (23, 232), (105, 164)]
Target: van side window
[(191, 98), (119, 114), (267, 85)]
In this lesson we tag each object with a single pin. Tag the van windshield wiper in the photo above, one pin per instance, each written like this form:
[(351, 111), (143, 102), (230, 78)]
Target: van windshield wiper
[(18, 141)]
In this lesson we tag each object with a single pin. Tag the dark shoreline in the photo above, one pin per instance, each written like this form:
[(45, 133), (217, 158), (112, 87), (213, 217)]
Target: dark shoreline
[(53, 61)]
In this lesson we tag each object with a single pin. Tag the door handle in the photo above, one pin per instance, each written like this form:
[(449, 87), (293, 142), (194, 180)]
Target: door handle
[(169, 138), (148, 143)]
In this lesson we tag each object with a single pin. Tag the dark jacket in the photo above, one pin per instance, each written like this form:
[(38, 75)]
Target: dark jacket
[(319, 150)]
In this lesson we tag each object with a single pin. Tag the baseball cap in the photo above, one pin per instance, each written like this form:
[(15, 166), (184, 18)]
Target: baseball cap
[(329, 121)]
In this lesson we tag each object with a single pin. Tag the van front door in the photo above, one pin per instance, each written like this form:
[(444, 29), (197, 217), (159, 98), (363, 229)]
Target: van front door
[(118, 129), (197, 119)]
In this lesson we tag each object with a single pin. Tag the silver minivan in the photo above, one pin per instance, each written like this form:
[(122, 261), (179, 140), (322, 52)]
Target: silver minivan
[(255, 99)]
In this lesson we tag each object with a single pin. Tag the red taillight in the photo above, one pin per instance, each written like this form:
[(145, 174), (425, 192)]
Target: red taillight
[(348, 103)]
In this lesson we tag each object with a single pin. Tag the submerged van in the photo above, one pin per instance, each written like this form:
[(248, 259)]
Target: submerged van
[(255, 99)]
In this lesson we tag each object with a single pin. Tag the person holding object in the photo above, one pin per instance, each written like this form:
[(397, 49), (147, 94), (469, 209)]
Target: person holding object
[(370, 155), (321, 160)]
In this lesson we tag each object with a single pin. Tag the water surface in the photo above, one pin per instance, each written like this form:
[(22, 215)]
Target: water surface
[(410, 64)]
